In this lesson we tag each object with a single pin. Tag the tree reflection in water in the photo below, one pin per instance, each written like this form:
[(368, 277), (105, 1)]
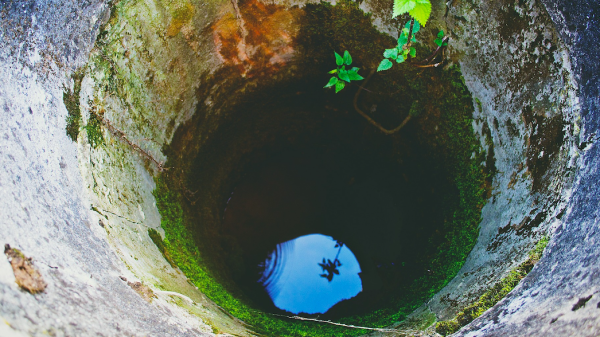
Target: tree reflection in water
[(331, 267), (296, 283)]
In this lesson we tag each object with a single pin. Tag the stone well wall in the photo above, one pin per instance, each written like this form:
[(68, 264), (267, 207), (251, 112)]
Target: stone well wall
[(83, 213)]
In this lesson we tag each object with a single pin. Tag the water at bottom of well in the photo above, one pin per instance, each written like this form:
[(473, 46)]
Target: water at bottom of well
[(310, 274)]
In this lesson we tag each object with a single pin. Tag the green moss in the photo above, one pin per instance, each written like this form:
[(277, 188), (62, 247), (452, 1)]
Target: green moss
[(156, 238), (479, 105), (93, 129), (445, 328), (71, 101), (181, 246), (495, 294)]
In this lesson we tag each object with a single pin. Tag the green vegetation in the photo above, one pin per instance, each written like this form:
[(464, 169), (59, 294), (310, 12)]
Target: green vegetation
[(93, 126), (439, 40), (495, 294), (155, 236), (341, 74), (403, 50), (417, 9), (183, 250), (479, 105), (93, 129), (71, 101)]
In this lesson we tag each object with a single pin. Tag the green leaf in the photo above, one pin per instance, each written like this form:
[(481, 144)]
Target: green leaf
[(438, 41), (403, 6), (421, 11), (332, 82), (333, 71), (441, 34), (445, 44), (385, 65), (343, 74), (402, 40), (413, 52), (400, 59), (354, 69), (339, 86), (354, 76), (405, 53), (416, 27), (347, 58), (338, 59), (391, 53)]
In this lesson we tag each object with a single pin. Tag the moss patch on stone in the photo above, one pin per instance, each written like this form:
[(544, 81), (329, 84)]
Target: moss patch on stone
[(93, 129), (495, 294), (183, 249), (156, 238), (71, 101)]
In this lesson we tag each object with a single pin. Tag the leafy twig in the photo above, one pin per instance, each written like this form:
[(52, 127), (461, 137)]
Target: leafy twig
[(340, 74), (410, 33), (441, 48)]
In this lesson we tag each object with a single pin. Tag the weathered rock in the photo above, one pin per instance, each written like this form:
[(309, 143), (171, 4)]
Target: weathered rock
[(531, 66)]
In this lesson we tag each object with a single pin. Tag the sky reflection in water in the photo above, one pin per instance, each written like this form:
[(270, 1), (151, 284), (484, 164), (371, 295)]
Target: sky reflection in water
[(293, 277)]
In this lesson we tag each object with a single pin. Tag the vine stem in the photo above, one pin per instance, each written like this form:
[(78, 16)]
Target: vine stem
[(441, 48), (371, 120), (409, 44)]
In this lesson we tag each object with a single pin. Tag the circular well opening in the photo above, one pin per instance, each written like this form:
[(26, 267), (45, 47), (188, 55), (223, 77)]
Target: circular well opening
[(285, 159)]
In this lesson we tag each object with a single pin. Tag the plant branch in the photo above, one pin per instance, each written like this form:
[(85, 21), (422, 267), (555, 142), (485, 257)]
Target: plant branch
[(412, 22), (369, 119), (439, 49)]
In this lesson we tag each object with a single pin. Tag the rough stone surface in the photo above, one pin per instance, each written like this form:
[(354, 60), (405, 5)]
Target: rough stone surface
[(548, 302), (45, 211), (537, 106), (526, 113)]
